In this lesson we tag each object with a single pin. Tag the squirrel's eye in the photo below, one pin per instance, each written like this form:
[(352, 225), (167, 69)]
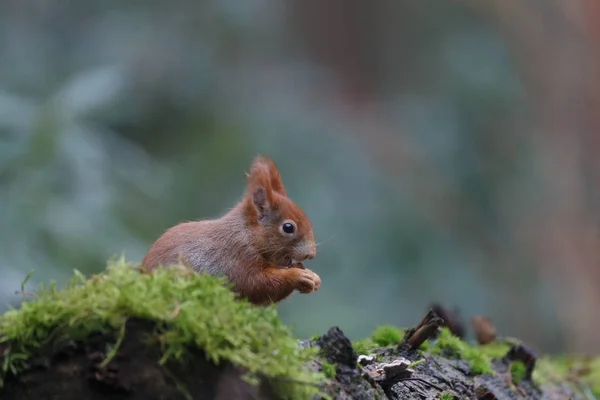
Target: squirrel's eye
[(288, 228)]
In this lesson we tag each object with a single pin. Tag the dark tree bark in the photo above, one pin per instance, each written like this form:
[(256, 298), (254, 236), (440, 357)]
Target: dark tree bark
[(73, 370)]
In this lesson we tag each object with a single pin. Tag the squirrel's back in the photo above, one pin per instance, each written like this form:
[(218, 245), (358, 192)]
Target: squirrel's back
[(212, 246)]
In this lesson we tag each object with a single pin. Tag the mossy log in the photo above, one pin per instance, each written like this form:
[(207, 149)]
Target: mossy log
[(173, 334), (73, 370)]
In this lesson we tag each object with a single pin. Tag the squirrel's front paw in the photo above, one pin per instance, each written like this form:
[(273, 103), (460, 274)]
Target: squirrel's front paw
[(308, 281)]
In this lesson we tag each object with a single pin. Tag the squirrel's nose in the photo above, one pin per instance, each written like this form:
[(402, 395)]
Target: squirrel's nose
[(312, 252), (307, 257), (308, 251)]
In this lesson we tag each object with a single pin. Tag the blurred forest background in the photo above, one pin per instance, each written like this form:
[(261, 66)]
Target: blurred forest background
[(444, 150)]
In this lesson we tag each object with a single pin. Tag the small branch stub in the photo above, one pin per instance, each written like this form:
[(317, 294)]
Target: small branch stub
[(451, 319), (427, 328)]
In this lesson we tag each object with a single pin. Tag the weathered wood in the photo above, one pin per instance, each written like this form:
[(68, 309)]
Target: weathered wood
[(72, 370)]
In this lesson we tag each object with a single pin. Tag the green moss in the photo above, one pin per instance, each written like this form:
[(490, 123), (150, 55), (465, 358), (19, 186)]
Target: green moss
[(195, 310), (494, 350), (584, 370), (415, 363), (364, 346), (593, 376), (386, 335), (517, 371), (446, 396), (328, 369), (452, 346), (382, 336)]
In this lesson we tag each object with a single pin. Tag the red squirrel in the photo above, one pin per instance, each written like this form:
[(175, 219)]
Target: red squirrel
[(258, 245)]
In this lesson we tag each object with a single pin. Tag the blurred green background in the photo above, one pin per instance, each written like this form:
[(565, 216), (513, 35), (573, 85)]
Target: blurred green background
[(443, 150)]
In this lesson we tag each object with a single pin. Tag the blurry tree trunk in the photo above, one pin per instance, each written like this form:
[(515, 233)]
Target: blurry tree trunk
[(557, 43), (336, 34)]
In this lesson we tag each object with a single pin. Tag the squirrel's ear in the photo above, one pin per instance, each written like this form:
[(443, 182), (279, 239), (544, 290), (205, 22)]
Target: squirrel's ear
[(260, 189), (261, 203)]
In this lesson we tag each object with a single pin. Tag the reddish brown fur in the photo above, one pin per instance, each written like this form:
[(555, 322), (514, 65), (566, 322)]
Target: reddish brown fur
[(246, 244)]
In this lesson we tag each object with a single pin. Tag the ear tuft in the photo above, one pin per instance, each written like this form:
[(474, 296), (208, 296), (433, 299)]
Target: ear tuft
[(259, 177), (266, 163)]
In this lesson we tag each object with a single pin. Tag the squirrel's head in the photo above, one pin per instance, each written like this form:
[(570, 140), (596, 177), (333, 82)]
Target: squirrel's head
[(282, 232)]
